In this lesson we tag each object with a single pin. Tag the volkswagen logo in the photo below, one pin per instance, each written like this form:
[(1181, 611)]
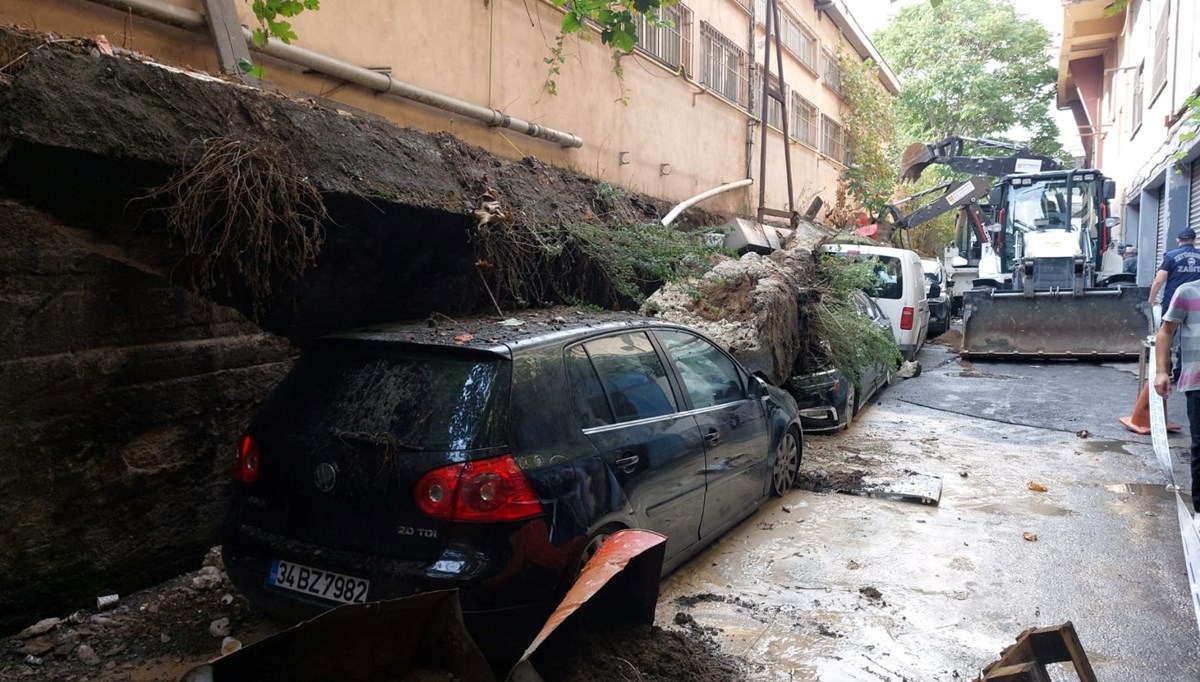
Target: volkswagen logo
[(325, 476)]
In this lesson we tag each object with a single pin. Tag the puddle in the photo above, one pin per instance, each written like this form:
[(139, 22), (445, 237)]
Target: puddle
[(1113, 447), (1148, 489), (1009, 508)]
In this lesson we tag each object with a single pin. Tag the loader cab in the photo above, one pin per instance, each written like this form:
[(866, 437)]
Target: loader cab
[(1053, 215)]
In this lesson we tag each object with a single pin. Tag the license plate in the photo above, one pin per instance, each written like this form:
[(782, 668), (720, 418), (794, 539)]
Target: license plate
[(317, 582)]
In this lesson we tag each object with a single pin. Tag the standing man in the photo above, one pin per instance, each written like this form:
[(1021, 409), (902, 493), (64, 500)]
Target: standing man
[(1183, 313), (1130, 263), (1179, 266)]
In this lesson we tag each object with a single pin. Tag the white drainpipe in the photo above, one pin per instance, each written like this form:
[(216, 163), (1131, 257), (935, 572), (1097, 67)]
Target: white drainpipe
[(185, 18), (684, 205)]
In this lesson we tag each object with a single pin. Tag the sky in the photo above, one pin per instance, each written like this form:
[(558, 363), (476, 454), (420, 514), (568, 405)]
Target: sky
[(873, 15)]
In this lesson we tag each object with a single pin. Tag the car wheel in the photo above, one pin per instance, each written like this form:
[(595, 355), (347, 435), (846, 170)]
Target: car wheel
[(593, 545), (787, 463), (851, 406)]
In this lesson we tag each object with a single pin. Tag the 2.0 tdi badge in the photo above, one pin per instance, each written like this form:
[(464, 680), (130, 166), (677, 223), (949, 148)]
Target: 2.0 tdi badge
[(325, 476)]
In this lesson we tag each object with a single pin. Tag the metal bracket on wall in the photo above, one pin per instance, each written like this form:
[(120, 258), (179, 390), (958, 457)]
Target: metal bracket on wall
[(227, 34)]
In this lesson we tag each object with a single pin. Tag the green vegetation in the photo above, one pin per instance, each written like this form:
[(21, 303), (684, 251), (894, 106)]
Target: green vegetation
[(613, 264), (851, 342), (868, 115), (270, 25), (614, 19)]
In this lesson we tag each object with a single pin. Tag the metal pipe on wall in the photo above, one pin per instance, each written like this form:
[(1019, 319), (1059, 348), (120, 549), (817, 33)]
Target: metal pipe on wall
[(185, 18)]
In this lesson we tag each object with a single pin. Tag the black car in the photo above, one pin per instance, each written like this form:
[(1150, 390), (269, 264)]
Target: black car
[(495, 459), (827, 398), (937, 287)]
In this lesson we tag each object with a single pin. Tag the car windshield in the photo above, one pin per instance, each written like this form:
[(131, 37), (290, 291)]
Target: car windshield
[(416, 400)]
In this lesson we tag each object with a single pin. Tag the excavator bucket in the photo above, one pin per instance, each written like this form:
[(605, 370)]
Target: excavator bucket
[(1090, 324), (916, 157)]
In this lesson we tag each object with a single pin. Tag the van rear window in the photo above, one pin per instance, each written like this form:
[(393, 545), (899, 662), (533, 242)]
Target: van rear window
[(404, 399), (889, 274)]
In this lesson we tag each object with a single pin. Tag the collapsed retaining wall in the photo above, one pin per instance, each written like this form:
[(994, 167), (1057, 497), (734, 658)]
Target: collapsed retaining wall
[(122, 392)]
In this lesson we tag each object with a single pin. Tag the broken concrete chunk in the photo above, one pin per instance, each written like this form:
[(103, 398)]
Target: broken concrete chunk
[(39, 628), (1037, 487), (208, 578), (1029, 537), (214, 558), (219, 628), (909, 370), (86, 655)]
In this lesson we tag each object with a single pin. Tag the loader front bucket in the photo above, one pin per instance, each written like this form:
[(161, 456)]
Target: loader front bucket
[(1096, 324), (916, 157)]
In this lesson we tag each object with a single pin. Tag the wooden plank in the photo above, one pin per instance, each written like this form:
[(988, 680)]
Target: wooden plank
[(226, 29)]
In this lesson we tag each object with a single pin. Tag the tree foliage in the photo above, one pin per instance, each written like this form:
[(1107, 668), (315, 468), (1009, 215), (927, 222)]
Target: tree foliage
[(973, 68), (870, 127), (270, 23)]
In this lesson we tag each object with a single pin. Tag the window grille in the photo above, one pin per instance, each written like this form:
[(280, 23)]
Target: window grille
[(831, 139), (670, 44), (724, 68), (804, 120)]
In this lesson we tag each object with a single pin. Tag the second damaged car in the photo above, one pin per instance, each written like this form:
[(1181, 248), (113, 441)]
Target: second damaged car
[(495, 458)]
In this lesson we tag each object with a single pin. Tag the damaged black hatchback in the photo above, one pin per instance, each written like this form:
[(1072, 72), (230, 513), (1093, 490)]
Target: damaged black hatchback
[(495, 458)]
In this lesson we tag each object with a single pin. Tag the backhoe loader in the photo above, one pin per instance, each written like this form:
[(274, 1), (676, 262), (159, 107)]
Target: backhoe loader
[(1049, 283)]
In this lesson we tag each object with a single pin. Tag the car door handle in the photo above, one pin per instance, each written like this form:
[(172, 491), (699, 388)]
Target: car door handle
[(712, 437), (627, 462)]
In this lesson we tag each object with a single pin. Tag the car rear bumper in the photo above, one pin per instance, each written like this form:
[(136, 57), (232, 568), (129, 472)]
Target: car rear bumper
[(500, 607)]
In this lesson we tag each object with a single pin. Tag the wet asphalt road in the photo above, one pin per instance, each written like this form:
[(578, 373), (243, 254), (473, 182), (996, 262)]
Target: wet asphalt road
[(957, 582)]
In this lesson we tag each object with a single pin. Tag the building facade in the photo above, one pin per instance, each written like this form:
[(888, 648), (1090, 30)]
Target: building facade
[(681, 119), (1127, 78)]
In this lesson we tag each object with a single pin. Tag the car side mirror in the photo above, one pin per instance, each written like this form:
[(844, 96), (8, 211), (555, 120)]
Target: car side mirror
[(758, 385), (935, 290), (1109, 191)]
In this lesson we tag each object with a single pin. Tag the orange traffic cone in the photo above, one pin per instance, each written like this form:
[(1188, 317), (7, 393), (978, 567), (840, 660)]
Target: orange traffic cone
[(1140, 421)]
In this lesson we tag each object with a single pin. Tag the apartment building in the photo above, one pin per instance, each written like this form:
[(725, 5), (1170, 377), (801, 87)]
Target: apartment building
[(1127, 77), (682, 118)]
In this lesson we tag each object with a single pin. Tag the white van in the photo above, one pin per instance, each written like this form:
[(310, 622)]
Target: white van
[(900, 291)]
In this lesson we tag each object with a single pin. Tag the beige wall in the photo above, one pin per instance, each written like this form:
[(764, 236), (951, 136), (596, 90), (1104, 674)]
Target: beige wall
[(673, 138)]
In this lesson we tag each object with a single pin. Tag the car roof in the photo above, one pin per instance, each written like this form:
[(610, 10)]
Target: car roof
[(494, 334), (869, 249)]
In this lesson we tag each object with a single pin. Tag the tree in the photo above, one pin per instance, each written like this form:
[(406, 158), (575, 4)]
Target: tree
[(869, 120), (973, 68), (616, 23)]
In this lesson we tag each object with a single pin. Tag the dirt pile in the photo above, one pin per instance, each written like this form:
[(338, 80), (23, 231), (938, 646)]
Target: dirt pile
[(155, 634), (644, 653), (752, 306)]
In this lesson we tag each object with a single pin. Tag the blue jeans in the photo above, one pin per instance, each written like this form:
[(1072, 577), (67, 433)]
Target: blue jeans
[(1193, 411)]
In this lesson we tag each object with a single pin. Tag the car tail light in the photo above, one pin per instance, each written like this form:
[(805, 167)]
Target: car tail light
[(906, 318), (484, 490), (248, 460)]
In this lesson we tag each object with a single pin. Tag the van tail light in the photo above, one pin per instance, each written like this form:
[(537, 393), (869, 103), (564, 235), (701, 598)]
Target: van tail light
[(248, 460), (485, 490), (906, 318)]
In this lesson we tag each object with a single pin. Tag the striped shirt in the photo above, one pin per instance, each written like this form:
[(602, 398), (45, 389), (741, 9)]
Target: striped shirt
[(1185, 310)]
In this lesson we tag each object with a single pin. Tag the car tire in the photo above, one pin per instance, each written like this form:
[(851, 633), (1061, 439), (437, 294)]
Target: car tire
[(787, 463), (851, 406)]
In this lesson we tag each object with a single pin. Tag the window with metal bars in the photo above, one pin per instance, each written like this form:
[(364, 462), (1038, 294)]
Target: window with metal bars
[(671, 42), (1158, 78), (1138, 103), (724, 65), (831, 139), (799, 41), (804, 120), (831, 72), (774, 113)]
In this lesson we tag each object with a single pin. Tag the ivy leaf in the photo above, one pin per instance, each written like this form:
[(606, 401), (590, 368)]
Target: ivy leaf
[(571, 22), (259, 37)]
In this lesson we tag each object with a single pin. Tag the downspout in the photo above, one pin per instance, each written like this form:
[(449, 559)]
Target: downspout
[(184, 18), (750, 121), (688, 203)]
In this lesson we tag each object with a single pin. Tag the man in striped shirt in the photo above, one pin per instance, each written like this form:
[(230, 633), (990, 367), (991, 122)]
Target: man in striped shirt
[(1183, 314)]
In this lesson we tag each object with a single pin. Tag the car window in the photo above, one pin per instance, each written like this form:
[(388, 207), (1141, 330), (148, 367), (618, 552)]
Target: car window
[(632, 376), (889, 277), (709, 376), (590, 400), (410, 399)]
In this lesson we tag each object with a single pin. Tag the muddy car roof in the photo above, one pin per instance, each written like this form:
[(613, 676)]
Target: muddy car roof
[(496, 334)]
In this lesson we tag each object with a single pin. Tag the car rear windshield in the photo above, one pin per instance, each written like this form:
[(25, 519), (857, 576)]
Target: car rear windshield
[(410, 399)]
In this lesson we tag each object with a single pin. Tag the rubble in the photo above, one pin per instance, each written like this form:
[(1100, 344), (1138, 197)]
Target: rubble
[(751, 306)]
